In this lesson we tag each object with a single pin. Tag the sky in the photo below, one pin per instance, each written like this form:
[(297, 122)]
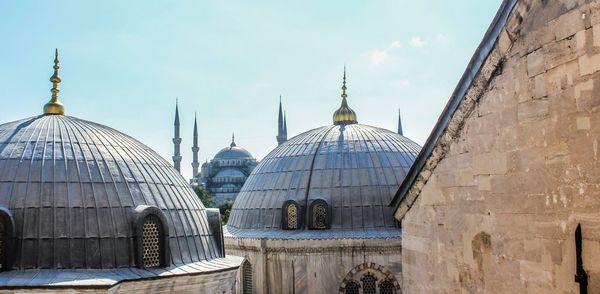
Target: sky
[(124, 63)]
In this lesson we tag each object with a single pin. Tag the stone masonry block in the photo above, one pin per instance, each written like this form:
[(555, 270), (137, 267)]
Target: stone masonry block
[(535, 63), (490, 163), (583, 123), (532, 110), (589, 64)]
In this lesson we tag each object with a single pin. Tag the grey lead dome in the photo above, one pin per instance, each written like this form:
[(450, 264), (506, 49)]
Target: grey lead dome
[(72, 187), (355, 168)]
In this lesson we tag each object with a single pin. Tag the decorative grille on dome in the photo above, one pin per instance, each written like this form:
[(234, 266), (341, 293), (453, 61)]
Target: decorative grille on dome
[(386, 287), (320, 216), (352, 288), (151, 236), (369, 284), (247, 278), (1, 246), (292, 216)]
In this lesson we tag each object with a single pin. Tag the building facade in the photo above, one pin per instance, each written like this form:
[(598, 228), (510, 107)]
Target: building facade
[(313, 217), (224, 175), (85, 208), (505, 197)]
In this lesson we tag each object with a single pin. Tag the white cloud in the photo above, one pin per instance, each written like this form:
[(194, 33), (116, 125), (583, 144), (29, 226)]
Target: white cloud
[(379, 56), (417, 42), (396, 44)]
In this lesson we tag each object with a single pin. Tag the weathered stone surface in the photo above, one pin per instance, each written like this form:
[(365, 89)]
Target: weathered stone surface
[(501, 197)]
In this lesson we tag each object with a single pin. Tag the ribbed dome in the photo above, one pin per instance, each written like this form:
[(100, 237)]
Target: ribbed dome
[(72, 187), (355, 168), (233, 152)]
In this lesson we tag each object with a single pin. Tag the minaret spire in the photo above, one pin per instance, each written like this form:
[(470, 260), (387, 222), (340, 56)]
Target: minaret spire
[(195, 149), (285, 124), (281, 125), (400, 132), (54, 106), (177, 140)]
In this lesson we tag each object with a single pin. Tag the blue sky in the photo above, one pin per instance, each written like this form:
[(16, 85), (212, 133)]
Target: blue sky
[(124, 62)]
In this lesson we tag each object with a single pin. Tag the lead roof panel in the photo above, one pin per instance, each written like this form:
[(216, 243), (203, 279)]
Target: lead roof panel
[(353, 167), (65, 178)]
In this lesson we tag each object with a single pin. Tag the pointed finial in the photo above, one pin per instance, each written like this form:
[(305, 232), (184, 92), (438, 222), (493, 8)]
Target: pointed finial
[(54, 106), (344, 114), (232, 140), (344, 84)]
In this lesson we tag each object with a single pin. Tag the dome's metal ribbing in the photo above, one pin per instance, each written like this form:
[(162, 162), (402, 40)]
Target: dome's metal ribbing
[(72, 186), (355, 168)]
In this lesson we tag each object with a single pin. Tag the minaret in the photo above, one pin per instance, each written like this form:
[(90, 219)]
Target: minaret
[(195, 163), (400, 124), (177, 141), (281, 126), (285, 124)]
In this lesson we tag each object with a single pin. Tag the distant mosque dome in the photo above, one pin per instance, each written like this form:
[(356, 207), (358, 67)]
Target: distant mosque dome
[(233, 152)]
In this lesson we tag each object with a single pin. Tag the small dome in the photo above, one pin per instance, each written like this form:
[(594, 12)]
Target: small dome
[(73, 188), (233, 152), (230, 173), (355, 169)]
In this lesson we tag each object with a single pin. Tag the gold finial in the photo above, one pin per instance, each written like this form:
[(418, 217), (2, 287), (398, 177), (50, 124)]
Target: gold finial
[(344, 114), (54, 106), (344, 85)]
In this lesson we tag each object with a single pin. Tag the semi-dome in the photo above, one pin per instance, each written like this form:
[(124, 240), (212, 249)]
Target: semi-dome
[(74, 189), (230, 173), (354, 169)]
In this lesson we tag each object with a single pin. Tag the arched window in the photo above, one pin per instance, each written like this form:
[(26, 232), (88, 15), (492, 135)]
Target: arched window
[(2, 243), (352, 288), (369, 278), (319, 215), (151, 241), (291, 213), (387, 287), (7, 234), (246, 277), (152, 237), (369, 283), (292, 216)]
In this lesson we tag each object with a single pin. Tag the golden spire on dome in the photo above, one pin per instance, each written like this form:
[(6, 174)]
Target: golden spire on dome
[(344, 114), (54, 106)]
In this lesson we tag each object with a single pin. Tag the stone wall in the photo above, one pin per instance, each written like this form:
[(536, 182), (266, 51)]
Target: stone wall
[(312, 266), (498, 202)]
